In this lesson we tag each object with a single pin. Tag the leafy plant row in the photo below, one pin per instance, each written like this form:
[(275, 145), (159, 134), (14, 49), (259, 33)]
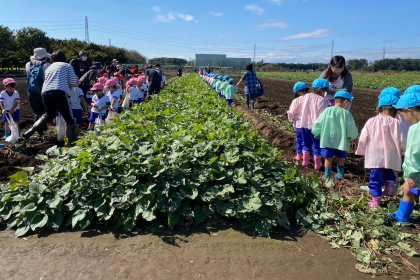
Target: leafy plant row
[(183, 157)]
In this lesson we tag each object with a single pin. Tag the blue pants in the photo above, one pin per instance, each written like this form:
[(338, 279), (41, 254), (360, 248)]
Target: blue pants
[(229, 102), (309, 143), (378, 177), (298, 140)]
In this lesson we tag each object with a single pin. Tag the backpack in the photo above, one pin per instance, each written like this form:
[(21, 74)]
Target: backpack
[(35, 78), (260, 88)]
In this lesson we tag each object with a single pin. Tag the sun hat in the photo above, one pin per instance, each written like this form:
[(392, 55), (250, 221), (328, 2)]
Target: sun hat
[(412, 89), (408, 100), (97, 65), (83, 52), (114, 60), (115, 78), (391, 90), (299, 86), (102, 80), (320, 83), (8, 81), (231, 80), (97, 86), (40, 53), (110, 83), (344, 94), (387, 100)]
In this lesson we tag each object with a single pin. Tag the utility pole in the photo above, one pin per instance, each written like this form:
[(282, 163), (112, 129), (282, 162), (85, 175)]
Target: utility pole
[(332, 48), (383, 57), (255, 46), (86, 30), (109, 41)]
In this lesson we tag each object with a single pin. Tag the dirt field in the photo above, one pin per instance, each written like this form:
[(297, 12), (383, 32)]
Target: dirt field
[(224, 252)]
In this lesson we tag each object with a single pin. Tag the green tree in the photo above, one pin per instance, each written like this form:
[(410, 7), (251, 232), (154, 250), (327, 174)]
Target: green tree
[(7, 46), (29, 38)]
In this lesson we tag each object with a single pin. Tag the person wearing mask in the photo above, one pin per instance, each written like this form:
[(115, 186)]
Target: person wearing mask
[(154, 80), (80, 64)]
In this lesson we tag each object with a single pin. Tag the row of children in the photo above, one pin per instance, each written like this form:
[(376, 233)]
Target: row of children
[(223, 85), (327, 131)]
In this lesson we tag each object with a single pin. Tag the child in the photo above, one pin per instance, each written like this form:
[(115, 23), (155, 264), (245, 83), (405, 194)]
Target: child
[(100, 104), (310, 106), (114, 94), (408, 106), (142, 86), (213, 83), (218, 85), (78, 106), (337, 128), (300, 89), (9, 104), (162, 84), (382, 144), (230, 92), (224, 85), (133, 91)]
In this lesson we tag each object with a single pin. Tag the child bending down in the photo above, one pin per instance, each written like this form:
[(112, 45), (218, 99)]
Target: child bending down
[(408, 106), (336, 128), (382, 143), (9, 104)]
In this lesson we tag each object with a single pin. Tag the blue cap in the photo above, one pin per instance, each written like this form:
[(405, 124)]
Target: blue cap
[(220, 77), (231, 80), (387, 100), (320, 83), (299, 86), (344, 94), (408, 100), (227, 77), (97, 65), (412, 89), (391, 90)]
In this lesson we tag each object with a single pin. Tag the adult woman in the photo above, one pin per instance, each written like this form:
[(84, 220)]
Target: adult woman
[(338, 76), (250, 78), (59, 79)]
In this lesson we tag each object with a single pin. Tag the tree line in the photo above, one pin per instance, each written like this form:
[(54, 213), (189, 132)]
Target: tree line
[(16, 46), (168, 61)]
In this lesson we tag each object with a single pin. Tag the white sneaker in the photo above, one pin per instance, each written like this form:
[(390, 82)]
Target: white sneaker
[(364, 188)]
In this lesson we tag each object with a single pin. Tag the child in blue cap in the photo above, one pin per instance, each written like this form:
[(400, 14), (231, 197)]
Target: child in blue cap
[(336, 128), (382, 143), (229, 92), (408, 106), (224, 85), (218, 85), (299, 89)]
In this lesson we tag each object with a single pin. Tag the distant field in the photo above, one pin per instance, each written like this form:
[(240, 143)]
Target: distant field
[(375, 81)]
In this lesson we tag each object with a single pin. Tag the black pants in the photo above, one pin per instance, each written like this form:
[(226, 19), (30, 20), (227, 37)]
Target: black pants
[(37, 105), (154, 88), (56, 100)]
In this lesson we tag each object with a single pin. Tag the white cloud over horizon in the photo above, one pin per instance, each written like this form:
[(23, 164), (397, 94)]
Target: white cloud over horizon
[(156, 9), (254, 8), (277, 2), (317, 33), (173, 17), (217, 14), (273, 24)]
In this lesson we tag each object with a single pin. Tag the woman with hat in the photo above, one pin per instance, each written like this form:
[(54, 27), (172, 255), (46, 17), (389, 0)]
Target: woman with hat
[(80, 64), (90, 77)]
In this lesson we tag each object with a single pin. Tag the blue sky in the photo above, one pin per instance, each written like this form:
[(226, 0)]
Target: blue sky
[(283, 30)]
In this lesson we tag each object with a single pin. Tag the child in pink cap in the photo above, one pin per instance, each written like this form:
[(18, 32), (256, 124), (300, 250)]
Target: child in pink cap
[(133, 91), (100, 104), (114, 95), (142, 86), (9, 104)]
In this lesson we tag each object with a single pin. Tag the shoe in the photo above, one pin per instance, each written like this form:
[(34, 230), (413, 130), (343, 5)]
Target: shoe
[(318, 163), (305, 158), (7, 133), (403, 213), (389, 188), (298, 156), (375, 202), (38, 125), (364, 188)]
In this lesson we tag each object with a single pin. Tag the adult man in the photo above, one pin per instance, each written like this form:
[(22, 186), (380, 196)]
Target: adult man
[(39, 58), (180, 71), (80, 64), (113, 67), (154, 80), (159, 70)]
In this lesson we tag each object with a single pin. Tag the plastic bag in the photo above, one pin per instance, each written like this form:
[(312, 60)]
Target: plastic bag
[(110, 117), (61, 130), (14, 129), (99, 122), (126, 102)]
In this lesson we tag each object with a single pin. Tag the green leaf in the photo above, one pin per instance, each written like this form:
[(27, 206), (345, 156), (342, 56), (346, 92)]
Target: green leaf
[(38, 221), (22, 230), (148, 216), (55, 220), (20, 178), (37, 188), (77, 216), (200, 213), (252, 203), (173, 219)]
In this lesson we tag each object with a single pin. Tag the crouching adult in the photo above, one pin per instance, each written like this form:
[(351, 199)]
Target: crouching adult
[(59, 79)]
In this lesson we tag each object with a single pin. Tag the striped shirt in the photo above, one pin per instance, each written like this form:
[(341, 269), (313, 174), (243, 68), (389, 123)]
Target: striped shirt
[(59, 76)]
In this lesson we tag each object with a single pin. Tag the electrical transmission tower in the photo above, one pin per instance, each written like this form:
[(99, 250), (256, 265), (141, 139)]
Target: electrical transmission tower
[(86, 30), (383, 56)]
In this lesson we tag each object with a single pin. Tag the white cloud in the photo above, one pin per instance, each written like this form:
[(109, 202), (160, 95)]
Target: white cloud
[(217, 14), (273, 24), (174, 16), (278, 2), (156, 9), (255, 8), (317, 33)]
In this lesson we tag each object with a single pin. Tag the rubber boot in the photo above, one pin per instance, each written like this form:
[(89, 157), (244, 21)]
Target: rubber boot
[(306, 156), (247, 103), (327, 174), (71, 134), (6, 133), (389, 188), (404, 212), (299, 156), (318, 163), (340, 173), (253, 104), (38, 125), (374, 202)]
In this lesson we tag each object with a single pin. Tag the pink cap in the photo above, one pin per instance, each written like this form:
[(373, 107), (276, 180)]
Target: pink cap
[(97, 86), (8, 81), (102, 80), (110, 83), (115, 79), (141, 79)]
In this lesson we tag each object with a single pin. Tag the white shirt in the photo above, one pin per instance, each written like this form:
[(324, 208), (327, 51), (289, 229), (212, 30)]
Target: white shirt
[(116, 95), (163, 81), (144, 87), (134, 93), (9, 100), (74, 95), (100, 102)]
